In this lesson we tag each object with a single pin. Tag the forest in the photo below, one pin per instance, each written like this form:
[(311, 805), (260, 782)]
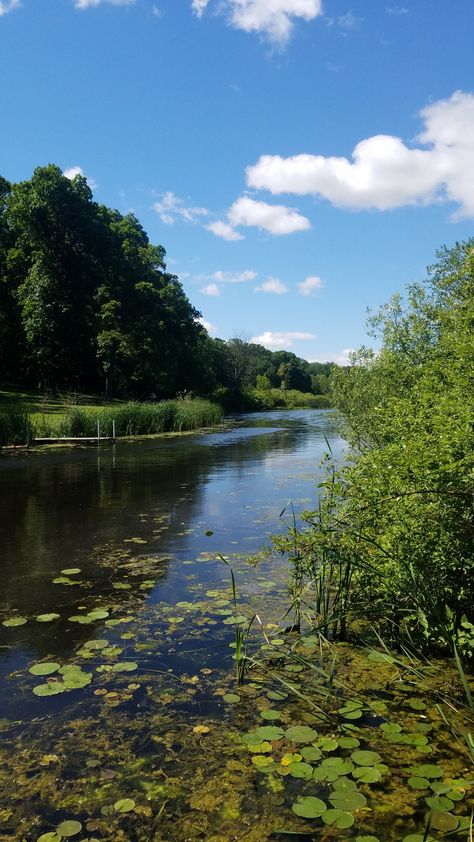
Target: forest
[(87, 305)]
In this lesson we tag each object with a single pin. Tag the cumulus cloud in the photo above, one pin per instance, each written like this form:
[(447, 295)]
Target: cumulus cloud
[(8, 6), (340, 357), (280, 340), (234, 277), (396, 10), (207, 325), (73, 171), (310, 286), (199, 7), (171, 208), (271, 18), (211, 289), (250, 213), (384, 172), (347, 21), (224, 230), (273, 285), (90, 4)]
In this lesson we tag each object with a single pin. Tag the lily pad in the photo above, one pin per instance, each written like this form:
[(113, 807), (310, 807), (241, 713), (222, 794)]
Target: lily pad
[(124, 805), (311, 753), (427, 770), (301, 770), (69, 828), (418, 783), (46, 668), (14, 621), (71, 571), (52, 688), (444, 821), (47, 618), (365, 758), (49, 837), (270, 714), (270, 732), (309, 807), (367, 774), (96, 644), (347, 801), (125, 666), (338, 818), (300, 734)]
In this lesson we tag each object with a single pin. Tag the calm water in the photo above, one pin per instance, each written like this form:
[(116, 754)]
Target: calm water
[(150, 499), (134, 703)]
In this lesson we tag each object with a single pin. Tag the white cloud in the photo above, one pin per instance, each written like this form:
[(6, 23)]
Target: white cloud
[(171, 208), (247, 212), (384, 172), (340, 357), (199, 7), (91, 4), (73, 171), (156, 11), (224, 230), (347, 21), (272, 18), (272, 285), (310, 286), (396, 10), (275, 340), (8, 6), (211, 289), (207, 325), (234, 277)]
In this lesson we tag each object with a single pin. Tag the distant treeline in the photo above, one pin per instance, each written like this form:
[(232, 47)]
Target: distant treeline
[(87, 304)]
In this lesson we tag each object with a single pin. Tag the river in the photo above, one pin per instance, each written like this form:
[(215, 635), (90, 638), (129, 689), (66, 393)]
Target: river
[(119, 713)]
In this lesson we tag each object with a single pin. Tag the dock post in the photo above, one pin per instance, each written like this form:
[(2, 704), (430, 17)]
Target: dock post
[(113, 430), (98, 431)]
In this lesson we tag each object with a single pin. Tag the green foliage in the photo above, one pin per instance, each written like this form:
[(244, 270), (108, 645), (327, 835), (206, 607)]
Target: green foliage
[(15, 427), (396, 522)]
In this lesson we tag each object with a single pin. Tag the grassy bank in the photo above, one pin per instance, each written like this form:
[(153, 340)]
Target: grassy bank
[(25, 415), (288, 399)]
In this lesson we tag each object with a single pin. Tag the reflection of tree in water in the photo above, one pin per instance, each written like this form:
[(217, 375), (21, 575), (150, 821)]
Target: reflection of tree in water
[(56, 508)]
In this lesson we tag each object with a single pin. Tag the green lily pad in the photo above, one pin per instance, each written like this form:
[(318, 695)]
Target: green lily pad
[(338, 818), (418, 837), (231, 698), (96, 644), (52, 688), (14, 621), (390, 728), (270, 714), (418, 783), (69, 828), (98, 614), (344, 785), (427, 770), (367, 839), (125, 666), (311, 753), (327, 744), (49, 837), (365, 758), (275, 696), (444, 821), (124, 805), (75, 679), (71, 571), (367, 774), (416, 704), (348, 742), (83, 619), (270, 732), (44, 669), (439, 802), (260, 761), (47, 618), (309, 807), (301, 770), (300, 734), (347, 801)]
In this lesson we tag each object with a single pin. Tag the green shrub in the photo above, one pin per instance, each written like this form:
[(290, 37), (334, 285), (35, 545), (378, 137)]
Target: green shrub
[(15, 427)]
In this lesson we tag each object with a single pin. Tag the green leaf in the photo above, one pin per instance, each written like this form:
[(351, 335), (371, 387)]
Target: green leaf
[(47, 618), (338, 818), (14, 621), (69, 828), (300, 734), (365, 758), (124, 805), (309, 807)]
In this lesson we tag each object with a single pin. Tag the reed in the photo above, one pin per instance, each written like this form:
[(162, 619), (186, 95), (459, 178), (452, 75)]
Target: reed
[(15, 427)]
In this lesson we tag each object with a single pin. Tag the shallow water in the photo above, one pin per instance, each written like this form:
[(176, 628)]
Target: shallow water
[(144, 524)]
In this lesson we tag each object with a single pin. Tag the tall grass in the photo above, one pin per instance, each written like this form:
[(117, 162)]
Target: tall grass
[(15, 427), (138, 419)]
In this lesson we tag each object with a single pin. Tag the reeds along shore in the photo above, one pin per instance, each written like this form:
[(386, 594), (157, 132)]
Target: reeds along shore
[(131, 419)]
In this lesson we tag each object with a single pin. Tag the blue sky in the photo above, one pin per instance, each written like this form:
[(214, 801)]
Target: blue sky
[(299, 160)]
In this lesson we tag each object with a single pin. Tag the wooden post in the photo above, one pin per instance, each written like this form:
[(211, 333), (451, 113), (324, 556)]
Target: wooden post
[(113, 430), (98, 431)]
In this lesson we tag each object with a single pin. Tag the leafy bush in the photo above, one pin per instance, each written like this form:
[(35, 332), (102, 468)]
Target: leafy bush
[(15, 427)]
